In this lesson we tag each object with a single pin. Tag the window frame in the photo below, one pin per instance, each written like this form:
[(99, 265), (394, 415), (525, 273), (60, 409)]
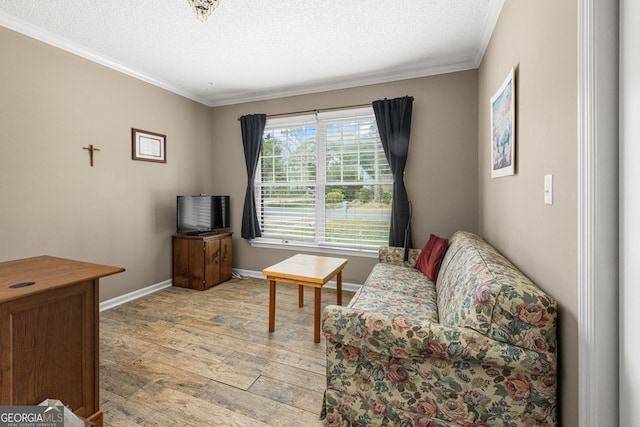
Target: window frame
[(322, 181)]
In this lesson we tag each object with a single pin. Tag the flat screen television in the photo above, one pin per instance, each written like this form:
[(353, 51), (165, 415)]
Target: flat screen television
[(202, 214)]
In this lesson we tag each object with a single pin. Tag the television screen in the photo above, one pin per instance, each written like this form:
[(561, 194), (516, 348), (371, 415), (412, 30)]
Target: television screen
[(202, 214)]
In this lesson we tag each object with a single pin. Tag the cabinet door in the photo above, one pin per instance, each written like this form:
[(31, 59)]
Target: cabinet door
[(226, 259), (189, 263), (49, 349), (181, 269), (211, 261)]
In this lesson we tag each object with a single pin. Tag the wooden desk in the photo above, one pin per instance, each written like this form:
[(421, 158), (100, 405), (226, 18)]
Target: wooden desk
[(305, 270), (49, 340)]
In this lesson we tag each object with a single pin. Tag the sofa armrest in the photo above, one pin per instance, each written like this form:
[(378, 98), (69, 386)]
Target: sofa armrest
[(399, 337), (395, 255)]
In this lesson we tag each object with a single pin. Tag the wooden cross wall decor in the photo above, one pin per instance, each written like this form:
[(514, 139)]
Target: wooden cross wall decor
[(91, 149)]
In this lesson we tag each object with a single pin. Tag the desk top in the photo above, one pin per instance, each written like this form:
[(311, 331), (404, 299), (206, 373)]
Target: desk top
[(310, 269), (46, 272)]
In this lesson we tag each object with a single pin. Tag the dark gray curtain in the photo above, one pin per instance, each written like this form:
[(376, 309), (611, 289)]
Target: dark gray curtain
[(252, 129), (393, 117)]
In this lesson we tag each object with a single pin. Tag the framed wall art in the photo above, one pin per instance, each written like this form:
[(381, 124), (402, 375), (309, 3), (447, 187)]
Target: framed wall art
[(503, 127), (148, 146)]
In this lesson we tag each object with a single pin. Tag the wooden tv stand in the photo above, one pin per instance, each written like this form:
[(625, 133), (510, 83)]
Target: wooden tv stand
[(202, 261), (49, 333)]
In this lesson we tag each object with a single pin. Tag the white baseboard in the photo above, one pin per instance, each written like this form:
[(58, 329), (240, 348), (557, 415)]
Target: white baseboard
[(114, 302), (346, 286)]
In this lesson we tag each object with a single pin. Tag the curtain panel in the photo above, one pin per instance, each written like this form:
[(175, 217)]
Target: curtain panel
[(393, 117), (252, 137)]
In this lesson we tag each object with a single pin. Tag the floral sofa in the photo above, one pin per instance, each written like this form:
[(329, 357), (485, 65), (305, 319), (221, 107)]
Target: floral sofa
[(478, 348)]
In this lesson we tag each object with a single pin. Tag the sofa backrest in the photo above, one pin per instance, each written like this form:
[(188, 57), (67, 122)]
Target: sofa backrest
[(479, 288)]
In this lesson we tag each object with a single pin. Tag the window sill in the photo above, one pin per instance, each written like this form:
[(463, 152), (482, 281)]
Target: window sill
[(333, 250)]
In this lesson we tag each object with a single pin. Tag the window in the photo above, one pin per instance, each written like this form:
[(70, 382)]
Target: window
[(323, 180)]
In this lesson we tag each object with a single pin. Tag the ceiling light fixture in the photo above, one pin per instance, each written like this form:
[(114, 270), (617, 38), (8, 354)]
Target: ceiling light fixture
[(203, 8)]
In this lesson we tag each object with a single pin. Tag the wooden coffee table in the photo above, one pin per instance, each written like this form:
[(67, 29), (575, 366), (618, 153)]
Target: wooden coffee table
[(304, 270)]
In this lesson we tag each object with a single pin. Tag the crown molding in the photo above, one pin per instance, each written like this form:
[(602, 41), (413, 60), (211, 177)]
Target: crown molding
[(490, 20), (347, 84), (49, 38)]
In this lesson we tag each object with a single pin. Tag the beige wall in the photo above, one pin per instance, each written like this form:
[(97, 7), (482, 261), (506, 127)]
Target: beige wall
[(119, 212), (122, 212), (441, 170), (540, 40)]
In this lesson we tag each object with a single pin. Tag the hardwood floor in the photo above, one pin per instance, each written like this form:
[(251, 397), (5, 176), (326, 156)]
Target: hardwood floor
[(188, 358)]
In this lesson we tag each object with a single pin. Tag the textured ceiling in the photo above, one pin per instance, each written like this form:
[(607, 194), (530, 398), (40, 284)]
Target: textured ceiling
[(257, 49)]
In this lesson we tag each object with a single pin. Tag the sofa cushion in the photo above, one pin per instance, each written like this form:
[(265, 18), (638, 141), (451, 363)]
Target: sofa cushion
[(431, 256), (466, 288), (480, 289), (395, 255), (398, 291), (401, 280), (523, 314)]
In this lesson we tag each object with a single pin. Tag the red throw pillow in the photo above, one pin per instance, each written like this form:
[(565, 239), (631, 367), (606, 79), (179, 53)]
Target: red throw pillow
[(431, 256)]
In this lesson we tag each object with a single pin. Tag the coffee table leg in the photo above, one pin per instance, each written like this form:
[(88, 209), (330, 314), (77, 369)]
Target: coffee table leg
[(339, 287), (272, 305), (300, 296), (316, 316)]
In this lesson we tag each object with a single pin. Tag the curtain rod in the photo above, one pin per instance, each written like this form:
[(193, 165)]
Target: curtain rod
[(317, 110)]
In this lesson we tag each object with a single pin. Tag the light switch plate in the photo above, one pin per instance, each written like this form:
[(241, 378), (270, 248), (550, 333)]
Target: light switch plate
[(548, 189)]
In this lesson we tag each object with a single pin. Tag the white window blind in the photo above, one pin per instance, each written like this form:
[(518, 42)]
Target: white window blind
[(324, 180)]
